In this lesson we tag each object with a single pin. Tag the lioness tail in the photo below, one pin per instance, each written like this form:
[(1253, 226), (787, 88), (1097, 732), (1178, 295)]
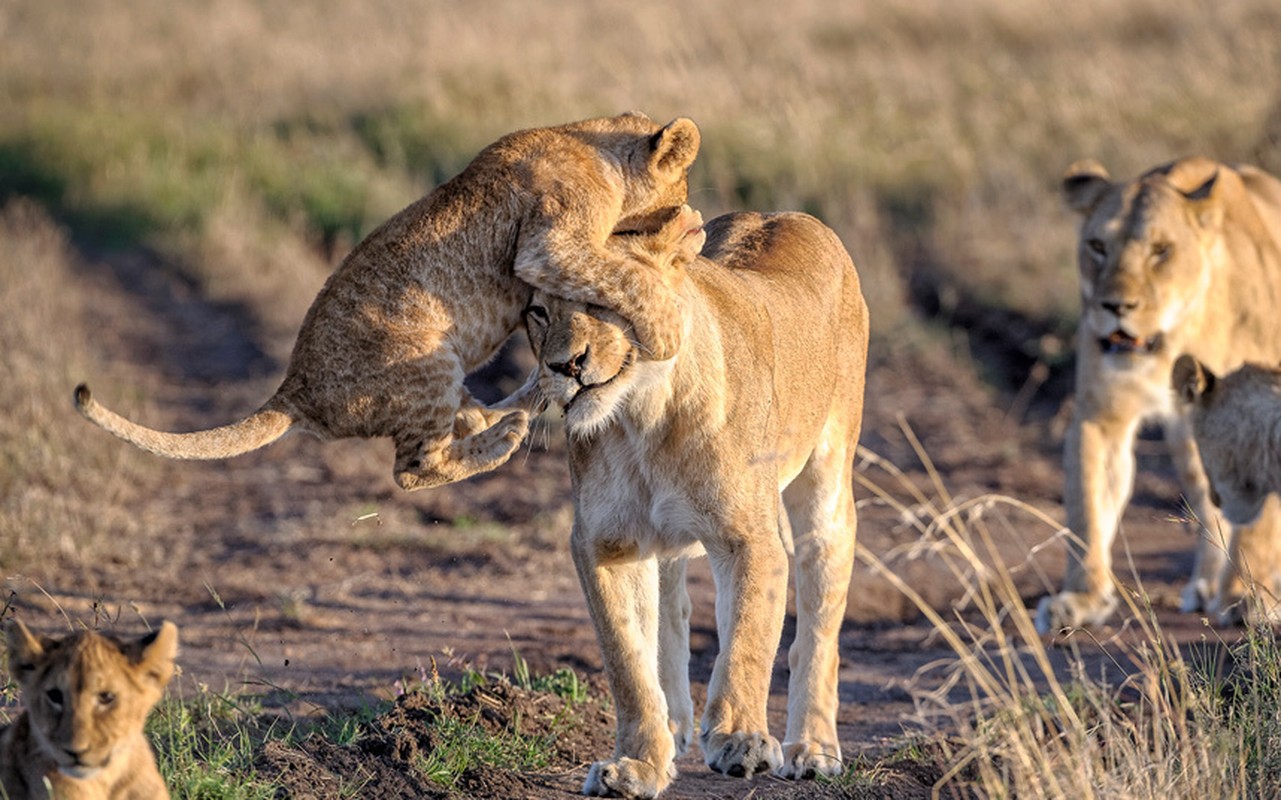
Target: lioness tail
[(258, 429)]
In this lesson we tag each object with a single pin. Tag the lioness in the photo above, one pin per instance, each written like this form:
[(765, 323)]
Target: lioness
[(87, 697), (1183, 259), (669, 459), (432, 293)]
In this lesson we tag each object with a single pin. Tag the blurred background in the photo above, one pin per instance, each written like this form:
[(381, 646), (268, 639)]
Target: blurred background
[(177, 179)]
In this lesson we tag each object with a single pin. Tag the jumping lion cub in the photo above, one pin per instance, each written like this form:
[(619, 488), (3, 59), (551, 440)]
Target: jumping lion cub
[(87, 697), (431, 294), (758, 413)]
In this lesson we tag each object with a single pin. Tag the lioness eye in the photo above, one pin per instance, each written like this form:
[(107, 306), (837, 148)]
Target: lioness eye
[(1160, 250), (537, 313), (54, 696), (106, 698), (1097, 247)]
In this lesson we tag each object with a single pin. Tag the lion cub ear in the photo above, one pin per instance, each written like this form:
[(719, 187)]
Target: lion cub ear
[(1084, 184), (673, 148), (1192, 380), (154, 653), (25, 648)]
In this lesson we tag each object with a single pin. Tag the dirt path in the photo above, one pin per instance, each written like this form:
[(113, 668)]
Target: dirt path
[(301, 572)]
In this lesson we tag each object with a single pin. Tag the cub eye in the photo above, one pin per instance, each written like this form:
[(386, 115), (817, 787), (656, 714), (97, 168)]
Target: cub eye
[(1160, 250), (537, 313), (106, 698), (54, 696), (1097, 247)]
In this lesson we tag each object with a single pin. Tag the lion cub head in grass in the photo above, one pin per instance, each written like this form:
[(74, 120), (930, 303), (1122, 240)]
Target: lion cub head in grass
[(433, 293), (1236, 419), (87, 697)]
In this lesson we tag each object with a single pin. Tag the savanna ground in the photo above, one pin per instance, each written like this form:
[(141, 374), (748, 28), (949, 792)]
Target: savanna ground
[(178, 180)]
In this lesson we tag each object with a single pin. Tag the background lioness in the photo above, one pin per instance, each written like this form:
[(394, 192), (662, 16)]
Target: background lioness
[(1183, 259), (87, 697), (672, 458), (432, 293)]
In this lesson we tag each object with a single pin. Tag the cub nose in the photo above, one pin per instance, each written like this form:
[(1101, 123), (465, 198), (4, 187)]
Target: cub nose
[(573, 368)]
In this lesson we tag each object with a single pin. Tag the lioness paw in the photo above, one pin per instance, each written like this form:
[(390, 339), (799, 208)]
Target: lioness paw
[(1073, 610), (804, 760), (627, 777), (742, 754)]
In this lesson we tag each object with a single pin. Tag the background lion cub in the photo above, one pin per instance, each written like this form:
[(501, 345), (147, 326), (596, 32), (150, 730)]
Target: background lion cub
[(87, 697), (759, 412), (432, 293)]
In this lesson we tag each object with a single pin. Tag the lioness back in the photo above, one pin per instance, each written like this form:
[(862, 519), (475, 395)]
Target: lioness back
[(87, 697)]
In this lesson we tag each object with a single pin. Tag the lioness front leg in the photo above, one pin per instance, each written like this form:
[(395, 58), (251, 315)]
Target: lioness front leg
[(1099, 462), (622, 596), (751, 589)]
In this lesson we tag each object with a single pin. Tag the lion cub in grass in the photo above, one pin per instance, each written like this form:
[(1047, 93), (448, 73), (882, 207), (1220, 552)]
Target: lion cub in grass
[(759, 412), (87, 697), (431, 295)]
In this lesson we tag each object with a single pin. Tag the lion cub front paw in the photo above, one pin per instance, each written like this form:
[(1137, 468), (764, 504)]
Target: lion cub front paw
[(741, 754), (627, 777)]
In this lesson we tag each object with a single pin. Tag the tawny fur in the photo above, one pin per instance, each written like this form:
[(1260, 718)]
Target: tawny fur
[(87, 697), (1236, 419), (759, 412), (1184, 259), (431, 294)]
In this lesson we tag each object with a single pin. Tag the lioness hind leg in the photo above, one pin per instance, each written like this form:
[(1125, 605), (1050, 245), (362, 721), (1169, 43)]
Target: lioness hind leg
[(673, 650), (820, 509)]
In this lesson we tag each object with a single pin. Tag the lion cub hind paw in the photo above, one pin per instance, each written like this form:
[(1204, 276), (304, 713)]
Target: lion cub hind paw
[(742, 755), (1073, 610), (805, 760), (627, 777)]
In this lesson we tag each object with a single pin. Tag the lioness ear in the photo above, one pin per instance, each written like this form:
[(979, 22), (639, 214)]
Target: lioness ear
[(1192, 380), (1084, 184), (155, 652), (674, 147), (1206, 203), (25, 648)]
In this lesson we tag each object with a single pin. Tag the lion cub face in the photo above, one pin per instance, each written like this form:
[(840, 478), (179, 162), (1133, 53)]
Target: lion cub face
[(1235, 421), (1141, 250), (588, 356), (88, 695)]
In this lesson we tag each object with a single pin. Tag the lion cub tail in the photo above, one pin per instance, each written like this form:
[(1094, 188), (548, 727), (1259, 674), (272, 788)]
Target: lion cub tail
[(257, 430)]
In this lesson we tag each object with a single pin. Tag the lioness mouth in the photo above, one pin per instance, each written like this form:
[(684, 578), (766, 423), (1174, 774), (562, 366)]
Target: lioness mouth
[(1121, 342), (584, 388)]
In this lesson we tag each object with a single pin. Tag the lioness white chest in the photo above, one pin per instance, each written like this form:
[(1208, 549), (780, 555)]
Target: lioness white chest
[(644, 498)]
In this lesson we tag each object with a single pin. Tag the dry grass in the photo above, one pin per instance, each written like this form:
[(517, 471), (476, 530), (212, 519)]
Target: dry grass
[(930, 135), (1135, 716)]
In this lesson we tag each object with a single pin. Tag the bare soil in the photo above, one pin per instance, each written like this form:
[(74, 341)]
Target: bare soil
[(303, 574)]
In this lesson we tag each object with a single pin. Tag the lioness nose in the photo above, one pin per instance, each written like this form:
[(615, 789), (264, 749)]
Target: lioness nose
[(572, 368)]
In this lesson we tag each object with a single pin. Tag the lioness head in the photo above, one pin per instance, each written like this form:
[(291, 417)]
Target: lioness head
[(588, 357), (1143, 250), (1235, 418), (88, 694)]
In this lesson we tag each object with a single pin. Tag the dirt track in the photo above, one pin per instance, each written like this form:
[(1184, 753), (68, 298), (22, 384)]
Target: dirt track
[(302, 572)]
